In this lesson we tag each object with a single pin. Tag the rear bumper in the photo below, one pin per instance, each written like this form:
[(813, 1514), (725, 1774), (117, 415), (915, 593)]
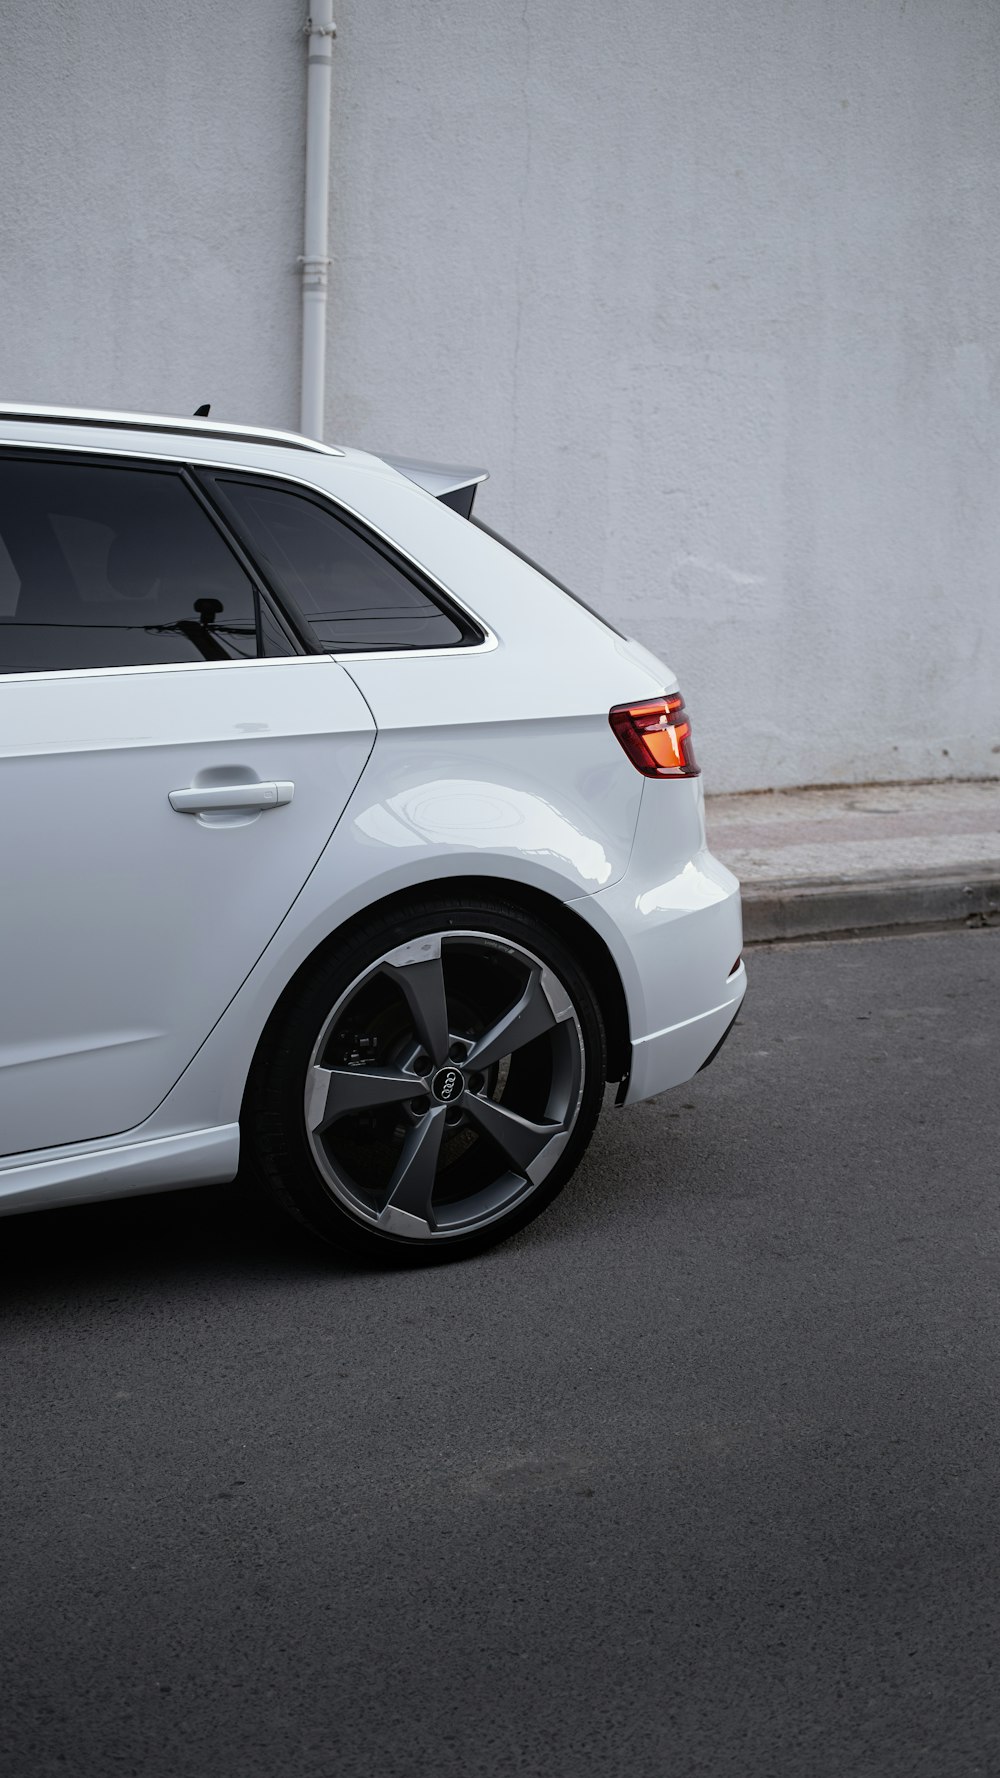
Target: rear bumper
[(670, 1057), (674, 927)]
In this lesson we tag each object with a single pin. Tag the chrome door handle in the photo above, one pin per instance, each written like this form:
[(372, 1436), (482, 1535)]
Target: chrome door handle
[(201, 798)]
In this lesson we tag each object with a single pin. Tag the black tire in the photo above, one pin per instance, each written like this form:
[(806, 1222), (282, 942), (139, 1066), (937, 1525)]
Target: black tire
[(467, 1154)]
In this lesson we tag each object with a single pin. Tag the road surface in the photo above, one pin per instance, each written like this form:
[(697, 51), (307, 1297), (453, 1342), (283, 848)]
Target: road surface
[(699, 1475)]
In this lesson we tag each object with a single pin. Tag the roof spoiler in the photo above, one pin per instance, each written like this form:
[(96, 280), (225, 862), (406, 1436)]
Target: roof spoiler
[(448, 483)]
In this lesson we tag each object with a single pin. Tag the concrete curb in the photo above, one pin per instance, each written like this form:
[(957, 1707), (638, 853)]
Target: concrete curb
[(824, 909)]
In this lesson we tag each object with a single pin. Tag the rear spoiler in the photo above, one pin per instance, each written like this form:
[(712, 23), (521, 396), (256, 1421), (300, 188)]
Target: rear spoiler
[(448, 483)]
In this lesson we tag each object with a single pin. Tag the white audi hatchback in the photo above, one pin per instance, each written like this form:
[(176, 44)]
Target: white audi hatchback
[(342, 848)]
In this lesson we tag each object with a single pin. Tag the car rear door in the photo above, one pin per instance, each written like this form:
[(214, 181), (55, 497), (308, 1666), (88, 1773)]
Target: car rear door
[(170, 771)]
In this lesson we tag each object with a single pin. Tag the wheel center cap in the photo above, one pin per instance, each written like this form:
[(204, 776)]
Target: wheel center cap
[(448, 1085)]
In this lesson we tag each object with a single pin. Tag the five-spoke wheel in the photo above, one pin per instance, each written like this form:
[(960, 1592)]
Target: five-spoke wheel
[(445, 1092)]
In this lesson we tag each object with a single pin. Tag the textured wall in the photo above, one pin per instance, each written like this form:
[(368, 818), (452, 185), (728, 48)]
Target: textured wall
[(151, 204), (712, 286)]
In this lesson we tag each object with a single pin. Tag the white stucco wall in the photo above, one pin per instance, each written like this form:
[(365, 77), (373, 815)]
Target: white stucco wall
[(151, 204), (712, 286)]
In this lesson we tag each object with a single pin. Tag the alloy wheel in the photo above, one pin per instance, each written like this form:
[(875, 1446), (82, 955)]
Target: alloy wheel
[(444, 1084)]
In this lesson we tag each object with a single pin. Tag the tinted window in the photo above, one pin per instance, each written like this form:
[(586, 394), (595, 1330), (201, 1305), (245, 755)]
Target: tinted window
[(104, 566), (351, 594)]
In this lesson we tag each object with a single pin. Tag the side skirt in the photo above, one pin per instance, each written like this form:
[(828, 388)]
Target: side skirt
[(83, 1175)]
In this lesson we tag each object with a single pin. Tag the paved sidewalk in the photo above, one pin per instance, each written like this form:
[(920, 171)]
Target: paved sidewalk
[(861, 856)]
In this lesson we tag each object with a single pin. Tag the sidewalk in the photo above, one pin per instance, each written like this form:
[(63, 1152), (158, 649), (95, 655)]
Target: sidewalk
[(814, 862)]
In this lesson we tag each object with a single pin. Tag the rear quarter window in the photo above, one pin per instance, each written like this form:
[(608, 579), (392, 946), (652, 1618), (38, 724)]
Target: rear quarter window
[(348, 590)]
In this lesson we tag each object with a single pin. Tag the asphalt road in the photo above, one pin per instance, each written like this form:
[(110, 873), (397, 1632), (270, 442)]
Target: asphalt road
[(700, 1475)]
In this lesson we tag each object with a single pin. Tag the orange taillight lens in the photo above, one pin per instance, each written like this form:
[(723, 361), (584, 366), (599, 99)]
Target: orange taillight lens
[(657, 737)]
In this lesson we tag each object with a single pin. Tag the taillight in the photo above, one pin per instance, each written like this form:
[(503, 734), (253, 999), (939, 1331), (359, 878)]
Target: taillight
[(657, 737)]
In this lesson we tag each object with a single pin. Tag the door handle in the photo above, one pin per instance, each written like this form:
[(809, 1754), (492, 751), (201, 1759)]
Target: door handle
[(199, 799)]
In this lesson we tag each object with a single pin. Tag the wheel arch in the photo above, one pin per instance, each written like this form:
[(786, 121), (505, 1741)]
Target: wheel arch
[(586, 944)]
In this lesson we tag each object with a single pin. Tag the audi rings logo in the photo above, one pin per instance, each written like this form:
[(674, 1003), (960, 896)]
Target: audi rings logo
[(448, 1085)]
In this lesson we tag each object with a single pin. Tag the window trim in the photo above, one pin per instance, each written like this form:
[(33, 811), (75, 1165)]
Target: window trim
[(476, 637), (125, 460), (264, 660), (262, 592)]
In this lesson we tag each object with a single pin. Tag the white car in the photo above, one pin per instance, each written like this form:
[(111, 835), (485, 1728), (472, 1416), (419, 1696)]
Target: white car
[(341, 846)]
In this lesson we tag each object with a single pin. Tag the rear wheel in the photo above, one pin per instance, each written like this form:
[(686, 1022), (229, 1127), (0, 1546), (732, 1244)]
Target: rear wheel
[(433, 1086)]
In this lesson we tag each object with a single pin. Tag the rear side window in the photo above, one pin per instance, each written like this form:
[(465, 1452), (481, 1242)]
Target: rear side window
[(349, 592), (108, 566)]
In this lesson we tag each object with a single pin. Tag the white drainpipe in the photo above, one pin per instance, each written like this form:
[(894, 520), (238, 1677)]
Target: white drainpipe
[(320, 31)]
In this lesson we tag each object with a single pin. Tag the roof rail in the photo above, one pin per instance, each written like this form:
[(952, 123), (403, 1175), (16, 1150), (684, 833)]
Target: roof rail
[(167, 423)]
